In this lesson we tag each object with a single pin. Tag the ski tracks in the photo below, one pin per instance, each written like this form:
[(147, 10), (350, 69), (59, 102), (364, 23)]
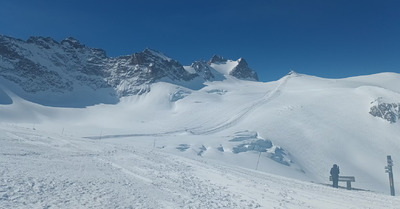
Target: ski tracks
[(244, 112), (98, 174), (36, 173), (175, 181), (111, 174)]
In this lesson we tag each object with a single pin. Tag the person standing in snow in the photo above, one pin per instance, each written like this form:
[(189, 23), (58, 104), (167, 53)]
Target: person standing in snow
[(335, 175)]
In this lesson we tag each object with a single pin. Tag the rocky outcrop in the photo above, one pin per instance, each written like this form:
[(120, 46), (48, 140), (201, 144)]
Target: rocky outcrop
[(387, 111), (204, 70)]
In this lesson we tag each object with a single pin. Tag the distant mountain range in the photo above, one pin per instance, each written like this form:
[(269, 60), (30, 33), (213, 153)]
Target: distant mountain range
[(44, 66)]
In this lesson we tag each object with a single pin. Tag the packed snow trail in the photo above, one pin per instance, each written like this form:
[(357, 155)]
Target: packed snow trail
[(236, 118), (270, 95), (45, 170)]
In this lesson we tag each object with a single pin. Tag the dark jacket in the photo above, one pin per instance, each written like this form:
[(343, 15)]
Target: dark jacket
[(335, 171)]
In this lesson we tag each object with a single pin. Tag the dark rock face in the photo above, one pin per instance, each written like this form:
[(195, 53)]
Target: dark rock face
[(45, 43), (42, 64), (30, 75), (216, 59), (203, 69), (387, 111), (133, 74), (243, 71), (158, 65), (72, 43)]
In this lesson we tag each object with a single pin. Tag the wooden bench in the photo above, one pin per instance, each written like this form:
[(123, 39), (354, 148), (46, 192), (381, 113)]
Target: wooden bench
[(347, 179)]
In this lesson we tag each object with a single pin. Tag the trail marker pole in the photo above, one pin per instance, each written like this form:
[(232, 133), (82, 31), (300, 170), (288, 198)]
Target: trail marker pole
[(388, 169)]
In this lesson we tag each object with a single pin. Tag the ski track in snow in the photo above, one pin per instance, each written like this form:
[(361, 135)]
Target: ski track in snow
[(243, 113), (41, 170), (137, 135)]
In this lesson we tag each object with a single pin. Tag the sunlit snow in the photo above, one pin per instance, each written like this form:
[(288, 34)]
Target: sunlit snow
[(174, 147)]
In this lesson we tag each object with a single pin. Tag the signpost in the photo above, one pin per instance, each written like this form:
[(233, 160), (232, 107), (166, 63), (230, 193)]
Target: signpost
[(388, 169)]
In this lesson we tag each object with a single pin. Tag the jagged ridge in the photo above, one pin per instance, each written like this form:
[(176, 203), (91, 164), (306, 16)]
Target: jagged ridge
[(44, 65)]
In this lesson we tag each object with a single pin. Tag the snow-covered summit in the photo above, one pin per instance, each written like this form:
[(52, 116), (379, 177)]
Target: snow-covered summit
[(238, 69), (293, 73)]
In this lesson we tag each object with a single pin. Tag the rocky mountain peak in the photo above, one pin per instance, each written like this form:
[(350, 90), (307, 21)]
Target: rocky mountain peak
[(243, 71), (217, 59), (45, 42), (72, 42), (154, 65), (151, 56), (242, 62), (293, 73), (156, 54)]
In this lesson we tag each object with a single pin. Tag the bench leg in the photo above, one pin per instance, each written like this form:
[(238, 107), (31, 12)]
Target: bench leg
[(349, 185)]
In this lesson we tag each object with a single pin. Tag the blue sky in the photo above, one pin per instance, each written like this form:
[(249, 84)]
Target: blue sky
[(326, 38)]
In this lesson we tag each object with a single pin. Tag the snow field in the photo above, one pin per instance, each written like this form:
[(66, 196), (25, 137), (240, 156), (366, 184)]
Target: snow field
[(318, 121), (46, 170)]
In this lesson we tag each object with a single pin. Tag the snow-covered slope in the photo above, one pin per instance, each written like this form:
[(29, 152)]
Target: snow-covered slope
[(49, 170), (296, 127)]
